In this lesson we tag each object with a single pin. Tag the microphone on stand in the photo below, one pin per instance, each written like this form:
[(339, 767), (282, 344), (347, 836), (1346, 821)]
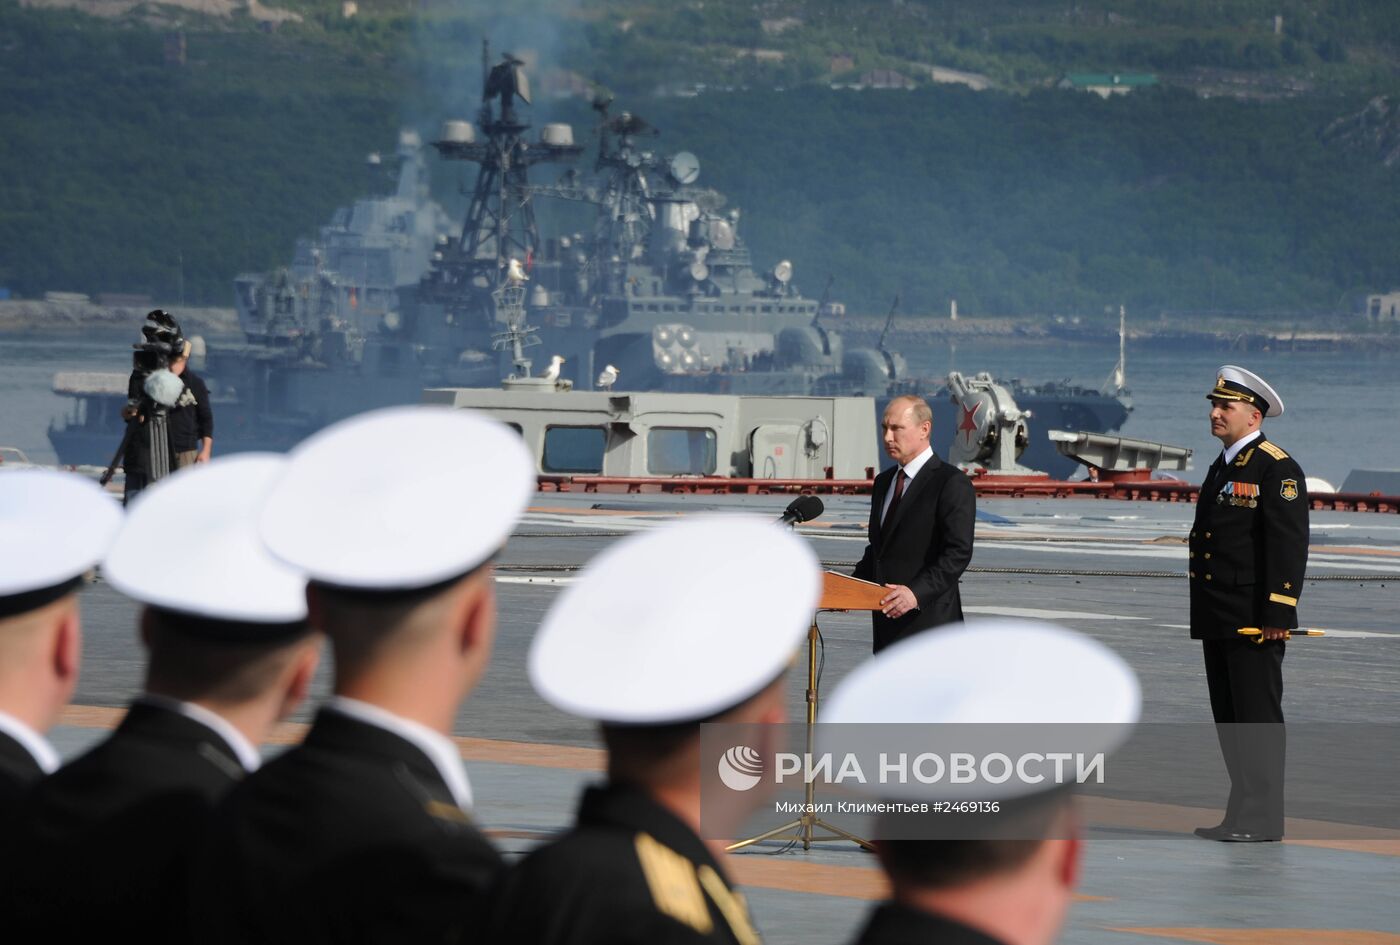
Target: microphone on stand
[(804, 508)]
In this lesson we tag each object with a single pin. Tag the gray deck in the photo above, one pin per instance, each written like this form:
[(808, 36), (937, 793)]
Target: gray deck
[(1168, 887)]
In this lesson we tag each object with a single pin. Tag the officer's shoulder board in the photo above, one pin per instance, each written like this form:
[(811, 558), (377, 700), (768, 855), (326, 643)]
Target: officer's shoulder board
[(1272, 450), (674, 884), (678, 888), (441, 810)]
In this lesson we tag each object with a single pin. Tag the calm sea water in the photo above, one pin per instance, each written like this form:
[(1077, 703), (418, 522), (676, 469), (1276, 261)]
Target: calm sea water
[(1343, 409)]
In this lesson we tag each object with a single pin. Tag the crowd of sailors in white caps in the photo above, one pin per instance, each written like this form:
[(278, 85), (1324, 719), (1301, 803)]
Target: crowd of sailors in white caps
[(174, 829)]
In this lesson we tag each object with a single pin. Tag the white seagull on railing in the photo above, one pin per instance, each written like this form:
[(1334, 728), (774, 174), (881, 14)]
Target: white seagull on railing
[(551, 373), (607, 378)]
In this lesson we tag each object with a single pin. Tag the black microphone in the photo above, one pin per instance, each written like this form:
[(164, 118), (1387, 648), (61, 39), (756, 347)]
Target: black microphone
[(804, 508)]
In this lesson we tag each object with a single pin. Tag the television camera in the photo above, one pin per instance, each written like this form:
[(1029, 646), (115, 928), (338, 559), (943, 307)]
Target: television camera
[(151, 392)]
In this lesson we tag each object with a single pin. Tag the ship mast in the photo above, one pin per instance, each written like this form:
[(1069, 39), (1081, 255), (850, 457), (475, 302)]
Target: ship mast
[(1118, 378), (500, 222)]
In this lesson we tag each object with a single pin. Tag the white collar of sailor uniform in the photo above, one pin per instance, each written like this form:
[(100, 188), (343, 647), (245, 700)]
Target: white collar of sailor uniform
[(438, 747), (1234, 448), (911, 469), (243, 749), (37, 745)]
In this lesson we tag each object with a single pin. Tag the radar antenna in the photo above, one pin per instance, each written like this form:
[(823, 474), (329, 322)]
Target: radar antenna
[(510, 310)]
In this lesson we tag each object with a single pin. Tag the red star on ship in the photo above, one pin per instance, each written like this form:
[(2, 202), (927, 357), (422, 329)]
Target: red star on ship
[(969, 423)]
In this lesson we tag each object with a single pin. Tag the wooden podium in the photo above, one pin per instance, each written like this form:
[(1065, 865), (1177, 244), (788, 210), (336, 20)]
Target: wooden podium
[(839, 593)]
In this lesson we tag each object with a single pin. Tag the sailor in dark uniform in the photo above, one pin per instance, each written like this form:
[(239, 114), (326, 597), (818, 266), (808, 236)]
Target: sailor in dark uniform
[(101, 846), (363, 832), (991, 878), (1248, 555), (53, 527), (693, 622)]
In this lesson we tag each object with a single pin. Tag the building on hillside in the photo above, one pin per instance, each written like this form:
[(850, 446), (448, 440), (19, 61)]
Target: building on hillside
[(884, 79), (1384, 308), (841, 63), (1106, 83), (944, 76)]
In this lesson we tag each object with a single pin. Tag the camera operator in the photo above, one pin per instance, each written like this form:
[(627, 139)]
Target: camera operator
[(191, 419), (151, 392)]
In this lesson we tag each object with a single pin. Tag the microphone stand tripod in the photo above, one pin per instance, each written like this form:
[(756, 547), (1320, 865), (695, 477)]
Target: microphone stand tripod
[(839, 593)]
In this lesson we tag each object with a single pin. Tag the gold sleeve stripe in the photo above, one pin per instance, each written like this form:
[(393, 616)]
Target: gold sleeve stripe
[(1273, 450), (674, 886), (731, 906), (1281, 599)]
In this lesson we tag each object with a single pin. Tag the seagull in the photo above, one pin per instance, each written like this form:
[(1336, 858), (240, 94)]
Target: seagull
[(607, 378), (514, 274), (551, 373)]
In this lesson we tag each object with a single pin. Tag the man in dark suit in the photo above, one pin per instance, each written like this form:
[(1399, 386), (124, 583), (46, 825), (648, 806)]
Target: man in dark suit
[(1006, 874), (362, 832), (708, 641), (921, 521), (1248, 556), (56, 526), (99, 848)]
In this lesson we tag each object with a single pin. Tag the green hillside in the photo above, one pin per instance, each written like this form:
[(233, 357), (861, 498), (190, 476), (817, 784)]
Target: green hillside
[(120, 171)]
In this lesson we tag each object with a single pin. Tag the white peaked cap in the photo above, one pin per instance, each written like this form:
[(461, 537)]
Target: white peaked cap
[(53, 527), (399, 499), (990, 671), (679, 623), (1233, 382), (190, 544)]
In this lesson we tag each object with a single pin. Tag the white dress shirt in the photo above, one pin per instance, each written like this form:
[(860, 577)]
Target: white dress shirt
[(1234, 448), (244, 750), (911, 469), (37, 745)]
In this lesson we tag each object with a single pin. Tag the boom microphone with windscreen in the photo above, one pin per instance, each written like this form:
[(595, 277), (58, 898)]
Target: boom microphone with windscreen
[(804, 508)]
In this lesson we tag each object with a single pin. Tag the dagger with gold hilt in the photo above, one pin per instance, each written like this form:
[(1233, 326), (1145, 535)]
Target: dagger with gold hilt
[(1257, 635)]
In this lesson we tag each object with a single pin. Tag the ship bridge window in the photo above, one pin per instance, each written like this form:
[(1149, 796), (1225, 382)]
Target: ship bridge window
[(681, 451), (574, 449)]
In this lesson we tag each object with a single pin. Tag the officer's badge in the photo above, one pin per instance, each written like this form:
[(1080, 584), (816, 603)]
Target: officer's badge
[(1288, 489)]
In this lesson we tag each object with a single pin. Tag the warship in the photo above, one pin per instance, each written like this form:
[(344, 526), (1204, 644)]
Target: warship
[(660, 294)]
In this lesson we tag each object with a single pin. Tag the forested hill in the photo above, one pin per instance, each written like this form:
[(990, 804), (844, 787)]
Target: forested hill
[(121, 170)]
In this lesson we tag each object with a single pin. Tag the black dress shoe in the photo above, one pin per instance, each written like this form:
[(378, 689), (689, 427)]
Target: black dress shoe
[(1217, 832), (1244, 836)]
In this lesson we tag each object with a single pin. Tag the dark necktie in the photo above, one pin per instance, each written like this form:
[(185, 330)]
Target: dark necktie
[(898, 494)]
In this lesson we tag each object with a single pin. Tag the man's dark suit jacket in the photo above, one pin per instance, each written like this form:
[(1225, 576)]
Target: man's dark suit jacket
[(925, 545), (18, 771), (895, 924), (99, 849), (353, 836)]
